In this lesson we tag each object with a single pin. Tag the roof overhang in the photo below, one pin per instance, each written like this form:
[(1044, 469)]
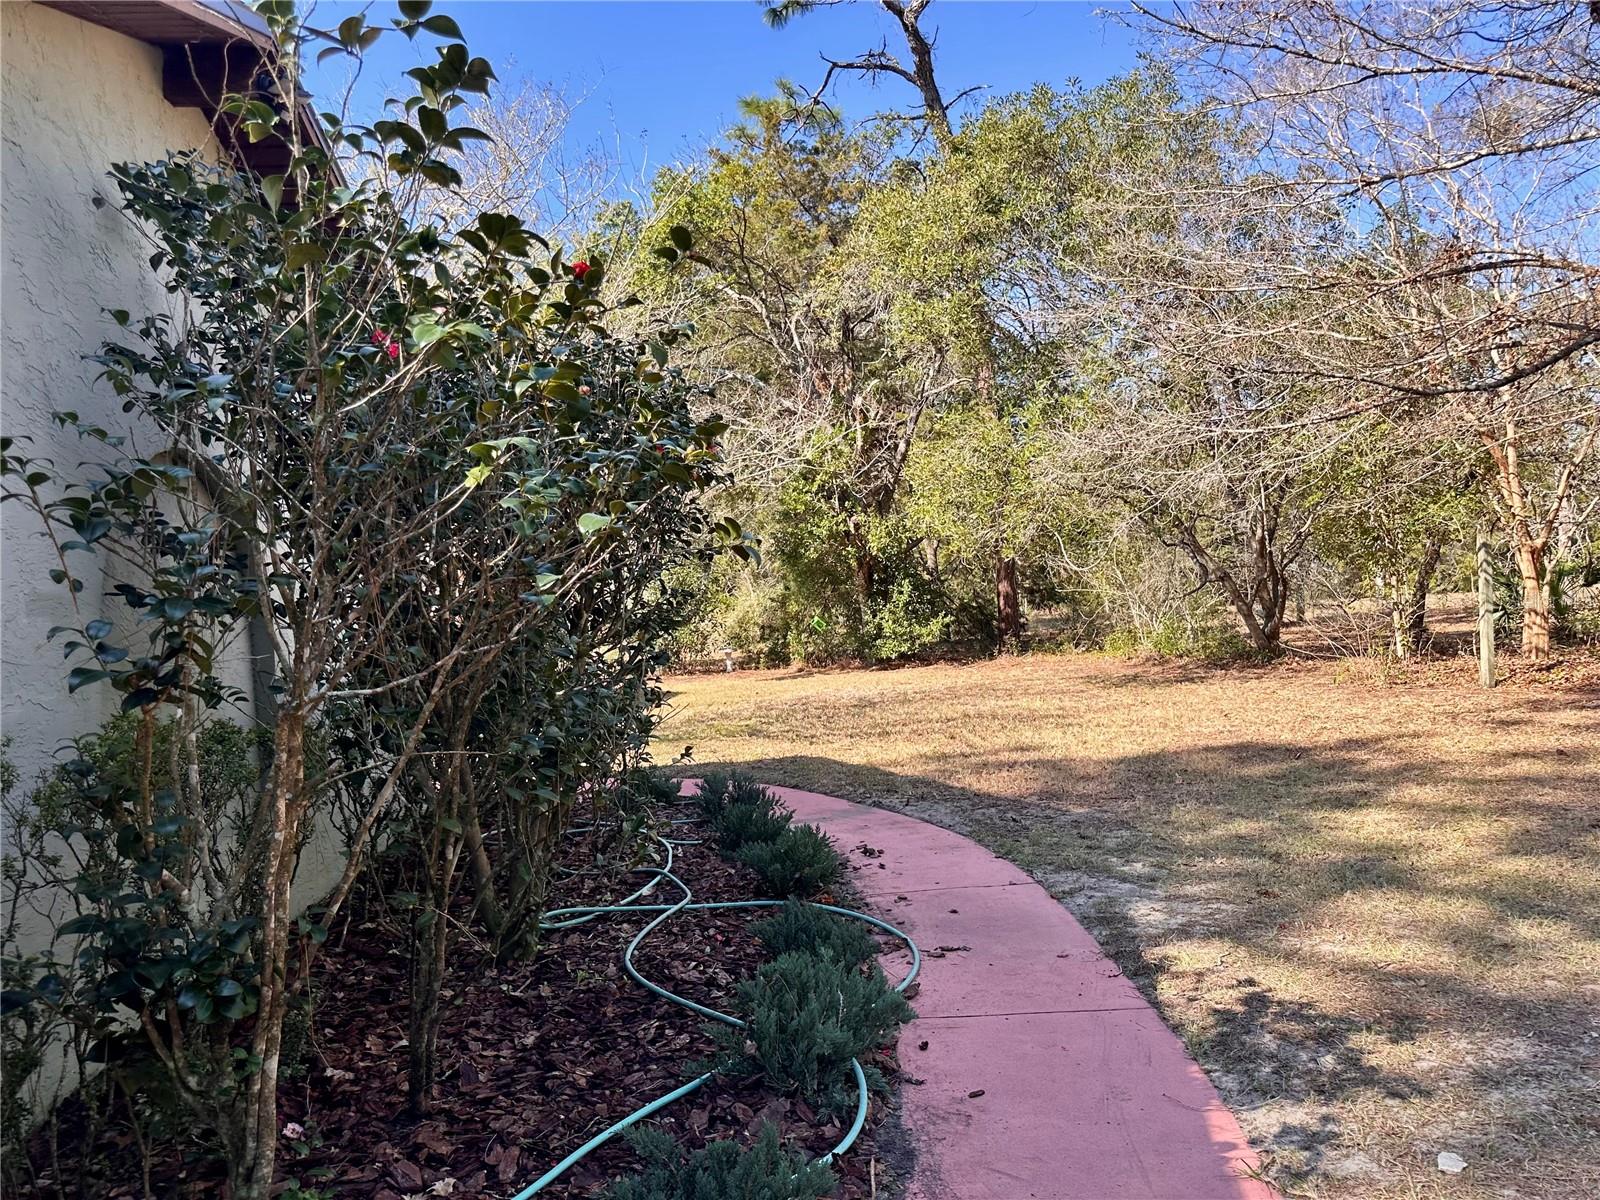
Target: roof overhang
[(209, 49), (170, 22)]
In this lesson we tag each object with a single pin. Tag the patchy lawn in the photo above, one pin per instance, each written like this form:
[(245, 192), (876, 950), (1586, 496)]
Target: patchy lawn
[(1369, 899)]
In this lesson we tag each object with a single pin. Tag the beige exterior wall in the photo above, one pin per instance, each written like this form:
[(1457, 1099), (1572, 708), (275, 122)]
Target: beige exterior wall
[(76, 98)]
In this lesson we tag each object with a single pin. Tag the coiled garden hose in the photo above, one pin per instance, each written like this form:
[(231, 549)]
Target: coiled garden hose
[(565, 918), (621, 905)]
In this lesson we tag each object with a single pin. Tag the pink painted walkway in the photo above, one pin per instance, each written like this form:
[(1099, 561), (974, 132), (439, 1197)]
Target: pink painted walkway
[(1086, 1094)]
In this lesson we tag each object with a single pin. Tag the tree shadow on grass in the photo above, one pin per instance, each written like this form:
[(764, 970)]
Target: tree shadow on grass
[(1265, 848)]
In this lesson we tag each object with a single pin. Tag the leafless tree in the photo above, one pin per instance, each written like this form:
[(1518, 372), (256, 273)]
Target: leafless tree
[(1459, 145), (529, 167), (880, 61)]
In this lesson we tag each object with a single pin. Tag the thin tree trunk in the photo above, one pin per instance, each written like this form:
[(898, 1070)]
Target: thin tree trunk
[(1529, 533), (1263, 626), (431, 952), (1415, 628), (1263, 633), (253, 1172), (1007, 603), (866, 572), (448, 797), (1535, 643), (909, 14), (488, 899)]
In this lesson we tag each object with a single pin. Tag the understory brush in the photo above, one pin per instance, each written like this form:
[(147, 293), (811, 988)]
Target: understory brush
[(1179, 636)]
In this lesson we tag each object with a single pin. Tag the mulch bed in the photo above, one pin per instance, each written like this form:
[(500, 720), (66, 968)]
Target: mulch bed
[(535, 1057)]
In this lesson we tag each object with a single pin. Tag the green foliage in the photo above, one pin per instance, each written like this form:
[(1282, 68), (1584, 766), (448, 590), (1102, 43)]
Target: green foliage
[(978, 491), (722, 1171), (107, 829), (815, 543), (806, 1016), (731, 606), (1564, 582), (910, 619), (26, 1026), (1210, 639), (749, 822), (773, 208), (800, 861), (357, 402), (753, 620), (140, 937), (719, 789), (801, 928), (647, 787), (929, 448), (803, 602)]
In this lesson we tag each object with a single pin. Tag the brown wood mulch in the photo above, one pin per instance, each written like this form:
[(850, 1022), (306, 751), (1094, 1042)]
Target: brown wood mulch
[(535, 1058)]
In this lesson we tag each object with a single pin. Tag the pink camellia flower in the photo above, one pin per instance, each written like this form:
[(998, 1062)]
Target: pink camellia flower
[(580, 269), (380, 338), (294, 1131), (392, 349)]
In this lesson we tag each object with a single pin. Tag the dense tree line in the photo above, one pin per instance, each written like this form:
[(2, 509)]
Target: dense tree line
[(1278, 323)]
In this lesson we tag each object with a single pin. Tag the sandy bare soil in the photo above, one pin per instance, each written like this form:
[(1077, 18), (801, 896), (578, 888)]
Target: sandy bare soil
[(1367, 896)]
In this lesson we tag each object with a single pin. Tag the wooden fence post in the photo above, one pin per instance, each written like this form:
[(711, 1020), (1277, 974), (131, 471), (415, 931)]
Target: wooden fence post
[(1485, 612)]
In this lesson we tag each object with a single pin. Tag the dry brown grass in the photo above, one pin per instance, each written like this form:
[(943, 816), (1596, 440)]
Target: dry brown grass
[(1369, 899)]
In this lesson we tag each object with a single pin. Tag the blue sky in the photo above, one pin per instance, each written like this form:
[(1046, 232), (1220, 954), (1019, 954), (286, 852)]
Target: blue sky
[(660, 78)]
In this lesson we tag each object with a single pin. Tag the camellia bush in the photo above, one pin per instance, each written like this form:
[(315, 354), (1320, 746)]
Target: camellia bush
[(416, 464)]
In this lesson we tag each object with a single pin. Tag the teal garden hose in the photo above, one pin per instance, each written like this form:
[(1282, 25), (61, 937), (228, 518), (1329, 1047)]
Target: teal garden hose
[(565, 918)]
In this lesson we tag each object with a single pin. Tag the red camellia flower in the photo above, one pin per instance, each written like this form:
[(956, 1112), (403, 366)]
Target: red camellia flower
[(580, 269), (380, 338), (393, 349)]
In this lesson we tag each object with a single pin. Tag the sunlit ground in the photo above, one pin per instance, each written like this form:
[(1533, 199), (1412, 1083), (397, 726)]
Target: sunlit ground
[(1368, 898)]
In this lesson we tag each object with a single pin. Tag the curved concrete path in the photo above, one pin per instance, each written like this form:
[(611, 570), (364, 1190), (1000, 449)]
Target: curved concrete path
[(1044, 1075)]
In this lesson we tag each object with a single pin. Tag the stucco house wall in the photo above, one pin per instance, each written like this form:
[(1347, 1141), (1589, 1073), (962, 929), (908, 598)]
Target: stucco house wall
[(76, 98)]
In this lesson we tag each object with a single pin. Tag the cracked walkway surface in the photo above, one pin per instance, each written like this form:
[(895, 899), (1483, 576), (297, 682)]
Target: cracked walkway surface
[(1046, 1076)]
